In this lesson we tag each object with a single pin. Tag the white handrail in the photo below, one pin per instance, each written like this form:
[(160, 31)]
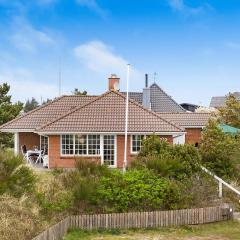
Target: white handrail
[(221, 182)]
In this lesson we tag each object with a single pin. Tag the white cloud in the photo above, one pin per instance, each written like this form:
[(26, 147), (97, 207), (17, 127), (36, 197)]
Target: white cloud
[(180, 6), (46, 2), (93, 5), (233, 45), (101, 59), (23, 87), (26, 38)]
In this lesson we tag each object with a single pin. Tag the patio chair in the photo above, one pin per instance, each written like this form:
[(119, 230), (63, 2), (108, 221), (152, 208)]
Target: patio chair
[(24, 153)]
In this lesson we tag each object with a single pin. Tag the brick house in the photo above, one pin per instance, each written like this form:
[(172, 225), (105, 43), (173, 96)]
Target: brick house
[(92, 127), (193, 123)]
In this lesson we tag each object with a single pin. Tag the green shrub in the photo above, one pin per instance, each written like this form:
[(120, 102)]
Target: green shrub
[(89, 167), (220, 151), (54, 197), (173, 161), (135, 190), (16, 178)]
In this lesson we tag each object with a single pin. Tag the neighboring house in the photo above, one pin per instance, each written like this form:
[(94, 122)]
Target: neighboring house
[(189, 107), (193, 123), (93, 127), (155, 99), (219, 102)]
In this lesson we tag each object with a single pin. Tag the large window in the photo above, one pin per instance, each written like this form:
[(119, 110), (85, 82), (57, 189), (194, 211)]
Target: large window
[(67, 144), (137, 143), (80, 145), (93, 144)]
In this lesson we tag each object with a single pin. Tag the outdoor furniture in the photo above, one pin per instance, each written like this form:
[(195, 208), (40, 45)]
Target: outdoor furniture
[(36, 153), (24, 151), (45, 161)]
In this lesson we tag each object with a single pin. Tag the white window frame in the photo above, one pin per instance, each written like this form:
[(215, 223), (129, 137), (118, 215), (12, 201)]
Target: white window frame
[(131, 145), (79, 155), (41, 142), (102, 150)]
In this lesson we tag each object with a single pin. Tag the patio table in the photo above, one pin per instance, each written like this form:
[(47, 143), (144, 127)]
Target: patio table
[(34, 152)]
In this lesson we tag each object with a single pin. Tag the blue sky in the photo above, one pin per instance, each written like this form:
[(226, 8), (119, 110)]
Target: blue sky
[(193, 46)]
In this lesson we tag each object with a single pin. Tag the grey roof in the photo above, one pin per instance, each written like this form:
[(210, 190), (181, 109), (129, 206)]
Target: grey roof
[(218, 102), (160, 100)]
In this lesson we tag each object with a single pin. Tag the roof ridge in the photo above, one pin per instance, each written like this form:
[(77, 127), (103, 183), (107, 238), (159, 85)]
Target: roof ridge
[(72, 111), (153, 113), (73, 95), (168, 95), (34, 110), (101, 96)]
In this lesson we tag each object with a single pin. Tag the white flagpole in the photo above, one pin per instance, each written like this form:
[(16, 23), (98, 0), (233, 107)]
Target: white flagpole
[(125, 162)]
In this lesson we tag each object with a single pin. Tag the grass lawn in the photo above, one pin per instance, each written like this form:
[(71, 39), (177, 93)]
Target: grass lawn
[(215, 231)]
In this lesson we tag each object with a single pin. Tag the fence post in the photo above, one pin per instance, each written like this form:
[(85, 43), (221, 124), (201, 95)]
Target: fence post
[(220, 189)]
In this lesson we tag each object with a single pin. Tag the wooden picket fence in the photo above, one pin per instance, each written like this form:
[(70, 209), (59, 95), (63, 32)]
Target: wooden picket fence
[(137, 220)]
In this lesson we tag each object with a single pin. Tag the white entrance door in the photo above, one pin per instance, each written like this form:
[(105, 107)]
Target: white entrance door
[(109, 150)]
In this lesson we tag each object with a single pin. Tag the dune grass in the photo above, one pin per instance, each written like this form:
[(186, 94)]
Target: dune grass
[(216, 231)]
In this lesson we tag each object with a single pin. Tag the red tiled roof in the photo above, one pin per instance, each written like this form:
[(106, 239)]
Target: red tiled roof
[(107, 114), (46, 113), (187, 119)]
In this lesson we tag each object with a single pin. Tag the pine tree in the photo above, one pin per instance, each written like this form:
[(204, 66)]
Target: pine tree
[(8, 111), (30, 105), (79, 93)]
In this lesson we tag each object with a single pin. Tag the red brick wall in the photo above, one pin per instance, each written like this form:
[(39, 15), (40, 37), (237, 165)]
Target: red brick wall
[(58, 161), (29, 139), (130, 157), (193, 135)]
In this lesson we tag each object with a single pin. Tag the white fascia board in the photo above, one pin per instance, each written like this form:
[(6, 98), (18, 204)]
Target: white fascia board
[(17, 130), (194, 126)]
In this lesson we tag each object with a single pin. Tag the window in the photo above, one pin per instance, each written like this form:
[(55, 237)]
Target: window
[(67, 144), (93, 144), (137, 143), (44, 144), (109, 150), (80, 145)]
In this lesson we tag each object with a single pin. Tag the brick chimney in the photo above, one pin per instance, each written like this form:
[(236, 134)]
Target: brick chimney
[(113, 82)]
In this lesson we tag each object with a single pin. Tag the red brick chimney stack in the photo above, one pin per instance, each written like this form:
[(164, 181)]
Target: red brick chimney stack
[(113, 82)]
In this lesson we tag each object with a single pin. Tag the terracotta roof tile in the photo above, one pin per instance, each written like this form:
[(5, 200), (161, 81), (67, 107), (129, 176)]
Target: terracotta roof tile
[(107, 114), (187, 119), (47, 112)]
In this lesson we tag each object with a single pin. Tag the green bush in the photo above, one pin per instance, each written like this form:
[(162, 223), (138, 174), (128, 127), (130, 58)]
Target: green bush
[(89, 167), (54, 197), (220, 151), (173, 161), (16, 178), (135, 190)]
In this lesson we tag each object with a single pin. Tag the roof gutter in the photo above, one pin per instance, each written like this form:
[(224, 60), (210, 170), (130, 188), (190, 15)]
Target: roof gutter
[(119, 133), (16, 130)]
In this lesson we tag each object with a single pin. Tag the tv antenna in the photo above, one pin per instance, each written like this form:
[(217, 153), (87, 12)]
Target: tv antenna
[(154, 77), (60, 77)]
